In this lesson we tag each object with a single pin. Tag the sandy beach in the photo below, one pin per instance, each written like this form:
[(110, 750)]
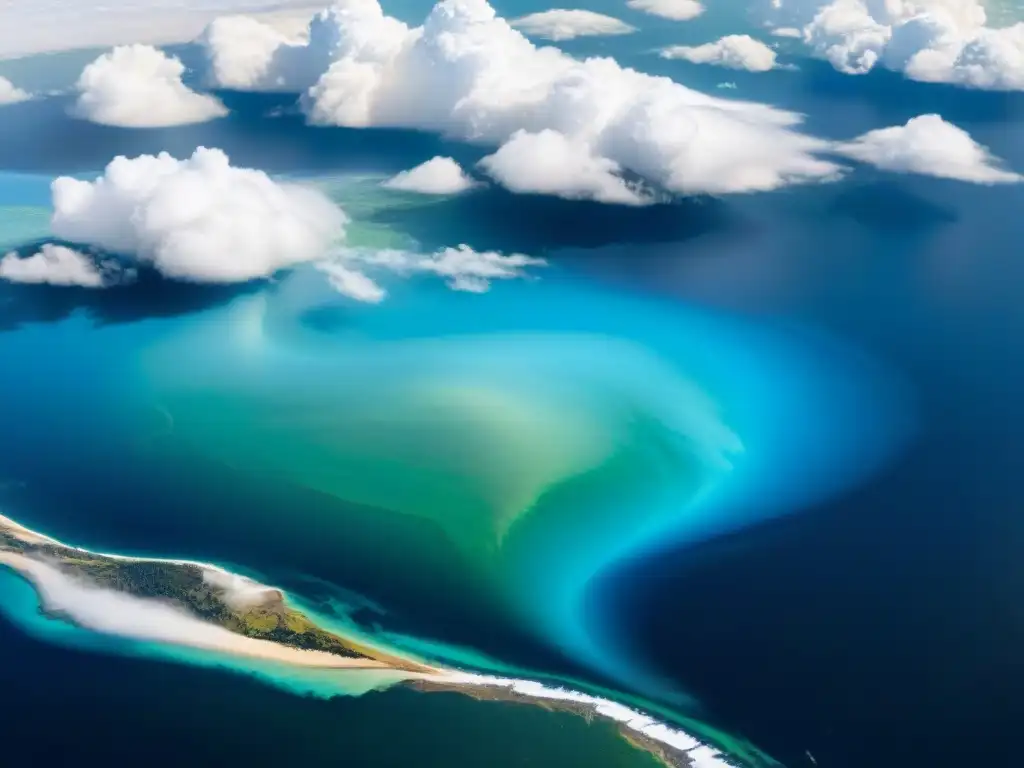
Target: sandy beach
[(119, 614)]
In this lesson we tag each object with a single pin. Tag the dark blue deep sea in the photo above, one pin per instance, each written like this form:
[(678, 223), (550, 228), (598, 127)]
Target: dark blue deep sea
[(881, 626)]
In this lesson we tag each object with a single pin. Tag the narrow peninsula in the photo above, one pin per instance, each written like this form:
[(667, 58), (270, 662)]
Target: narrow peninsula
[(204, 606)]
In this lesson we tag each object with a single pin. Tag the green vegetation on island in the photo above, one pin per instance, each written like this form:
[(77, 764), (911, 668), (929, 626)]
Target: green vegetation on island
[(262, 613)]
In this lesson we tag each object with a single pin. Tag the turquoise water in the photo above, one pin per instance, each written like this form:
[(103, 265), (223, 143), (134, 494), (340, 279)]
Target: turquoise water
[(446, 455), (474, 467)]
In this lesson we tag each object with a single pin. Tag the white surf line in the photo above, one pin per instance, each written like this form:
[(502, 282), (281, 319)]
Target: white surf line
[(700, 754)]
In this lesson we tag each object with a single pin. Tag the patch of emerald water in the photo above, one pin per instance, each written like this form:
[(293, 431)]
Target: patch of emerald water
[(22, 224), (363, 197)]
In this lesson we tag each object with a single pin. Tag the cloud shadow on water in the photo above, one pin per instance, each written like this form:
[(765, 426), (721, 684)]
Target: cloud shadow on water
[(891, 98), (889, 208), (264, 131), (149, 295), (495, 219)]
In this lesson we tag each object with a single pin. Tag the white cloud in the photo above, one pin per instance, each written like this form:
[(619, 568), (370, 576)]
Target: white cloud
[(549, 163), (462, 268), (931, 40), (240, 591), (352, 283), (9, 94), (53, 265), (247, 54), (137, 86), (677, 10), (786, 32), (468, 74), (198, 219), (562, 24), (929, 145), (732, 51), (437, 176)]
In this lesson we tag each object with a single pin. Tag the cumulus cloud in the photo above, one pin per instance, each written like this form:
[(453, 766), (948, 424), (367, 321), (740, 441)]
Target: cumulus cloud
[(468, 74), (551, 164), (10, 94), (437, 176), (199, 219), (53, 265), (732, 51), (677, 10), (246, 54), (792, 32), (944, 41), (138, 86), (462, 268), (929, 145), (562, 24)]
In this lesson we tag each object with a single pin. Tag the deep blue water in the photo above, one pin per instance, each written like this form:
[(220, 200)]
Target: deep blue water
[(883, 627)]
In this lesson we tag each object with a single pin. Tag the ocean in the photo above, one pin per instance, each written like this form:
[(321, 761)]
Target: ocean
[(827, 565)]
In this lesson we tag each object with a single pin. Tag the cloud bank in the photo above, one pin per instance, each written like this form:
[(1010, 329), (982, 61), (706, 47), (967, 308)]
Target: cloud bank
[(137, 86), (676, 10), (562, 24), (10, 94), (52, 265), (943, 41), (732, 51), (930, 146), (37, 26), (468, 74), (462, 268), (199, 219), (437, 176)]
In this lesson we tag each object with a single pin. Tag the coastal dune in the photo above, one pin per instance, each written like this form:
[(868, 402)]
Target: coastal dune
[(116, 613)]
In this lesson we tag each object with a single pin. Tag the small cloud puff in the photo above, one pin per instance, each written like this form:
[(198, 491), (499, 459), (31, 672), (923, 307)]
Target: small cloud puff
[(463, 269), (437, 176), (930, 146), (561, 24), (138, 86), (732, 51), (52, 265), (199, 219), (10, 94), (676, 10), (352, 283)]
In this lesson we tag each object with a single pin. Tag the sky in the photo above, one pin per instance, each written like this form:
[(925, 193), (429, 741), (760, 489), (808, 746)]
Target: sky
[(38, 26)]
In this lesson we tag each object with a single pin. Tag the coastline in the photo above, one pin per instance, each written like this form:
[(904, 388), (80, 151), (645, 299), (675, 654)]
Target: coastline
[(41, 576), (74, 599)]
